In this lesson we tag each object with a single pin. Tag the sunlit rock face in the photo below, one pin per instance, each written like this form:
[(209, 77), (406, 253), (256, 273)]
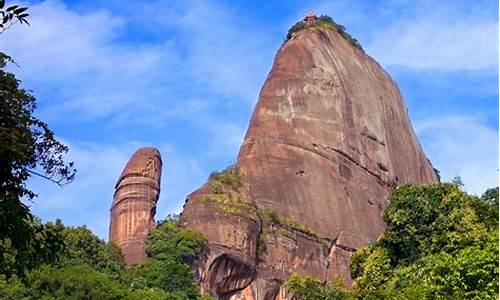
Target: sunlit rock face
[(328, 141), (134, 204)]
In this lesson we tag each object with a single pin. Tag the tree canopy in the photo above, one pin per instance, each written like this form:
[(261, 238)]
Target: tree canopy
[(440, 243), (86, 267), (27, 147)]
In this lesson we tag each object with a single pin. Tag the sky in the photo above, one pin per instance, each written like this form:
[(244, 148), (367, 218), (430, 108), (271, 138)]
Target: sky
[(183, 76)]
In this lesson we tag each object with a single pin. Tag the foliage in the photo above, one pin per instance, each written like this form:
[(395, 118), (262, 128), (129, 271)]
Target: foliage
[(73, 282), (11, 15), (172, 250), (228, 204), (261, 244), (168, 239), (491, 198), (305, 288), (26, 144), (83, 247), (440, 243), (456, 180), (223, 186), (310, 288), (273, 217), (324, 22), (44, 247), (86, 267), (230, 177)]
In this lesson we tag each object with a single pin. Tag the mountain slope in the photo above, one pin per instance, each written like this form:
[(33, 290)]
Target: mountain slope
[(328, 141)]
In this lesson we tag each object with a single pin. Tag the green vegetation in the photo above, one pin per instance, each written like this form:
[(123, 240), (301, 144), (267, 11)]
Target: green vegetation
[(228, 204), (273, 217), (310, 288), (324, 22), (26, 144), (52, 261), (172, 251), (223, 187), (85, 267), (230, 177), (440, 243)]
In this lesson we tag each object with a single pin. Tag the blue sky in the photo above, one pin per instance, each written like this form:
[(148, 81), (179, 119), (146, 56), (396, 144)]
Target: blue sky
[(111, 76)]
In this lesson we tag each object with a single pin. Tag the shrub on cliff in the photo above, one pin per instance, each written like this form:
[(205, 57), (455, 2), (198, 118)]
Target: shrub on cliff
[(324, 22), (230, 177)]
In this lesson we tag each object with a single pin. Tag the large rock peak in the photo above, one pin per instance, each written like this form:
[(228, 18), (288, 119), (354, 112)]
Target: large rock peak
[(328, 141), (134, 204)]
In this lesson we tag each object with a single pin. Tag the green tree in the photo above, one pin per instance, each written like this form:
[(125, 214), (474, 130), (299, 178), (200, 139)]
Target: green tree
[(83, 247), (73, 282), (440, 243), (44, 247), (310, 288), (172, 250), (27, 147), (305, 288)]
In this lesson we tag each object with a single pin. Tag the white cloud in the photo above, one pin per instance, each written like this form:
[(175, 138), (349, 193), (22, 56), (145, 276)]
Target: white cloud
[(82, 60), (438, 39), (462, 146), (60, 43), (227, 52), (77, 59), (424, 35)]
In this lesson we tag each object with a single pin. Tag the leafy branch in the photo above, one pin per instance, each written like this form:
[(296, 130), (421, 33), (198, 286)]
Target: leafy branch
[(11, 15)]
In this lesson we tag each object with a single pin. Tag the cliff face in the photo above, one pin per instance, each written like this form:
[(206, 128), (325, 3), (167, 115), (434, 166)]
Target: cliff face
[(134, 204), (328, 141)]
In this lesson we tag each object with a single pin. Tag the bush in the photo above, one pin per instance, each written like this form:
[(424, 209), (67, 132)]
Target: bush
[(230, 177)]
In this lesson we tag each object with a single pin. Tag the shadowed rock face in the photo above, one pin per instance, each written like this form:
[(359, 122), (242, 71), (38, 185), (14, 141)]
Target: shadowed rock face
[(134, 204), (328, 141)]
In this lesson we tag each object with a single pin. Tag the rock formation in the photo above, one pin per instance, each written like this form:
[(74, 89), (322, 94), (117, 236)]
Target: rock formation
[(134, 204), (328, 141)]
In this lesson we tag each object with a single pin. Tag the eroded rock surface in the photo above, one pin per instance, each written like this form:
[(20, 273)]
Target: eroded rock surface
[(328, 141), (134, 204)]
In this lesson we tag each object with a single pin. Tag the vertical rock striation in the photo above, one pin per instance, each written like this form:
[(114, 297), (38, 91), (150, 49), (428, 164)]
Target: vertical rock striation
[(134, 204), (328, 141)]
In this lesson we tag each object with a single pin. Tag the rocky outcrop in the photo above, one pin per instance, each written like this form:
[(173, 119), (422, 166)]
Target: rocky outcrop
[(328, 141), (134, 204)]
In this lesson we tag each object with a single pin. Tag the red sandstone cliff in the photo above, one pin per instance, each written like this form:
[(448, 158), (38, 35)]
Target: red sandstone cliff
[(328, 141), (134, 204)]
